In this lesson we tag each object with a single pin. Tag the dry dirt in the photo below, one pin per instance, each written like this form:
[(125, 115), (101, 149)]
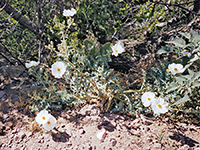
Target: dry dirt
[(87, 129)]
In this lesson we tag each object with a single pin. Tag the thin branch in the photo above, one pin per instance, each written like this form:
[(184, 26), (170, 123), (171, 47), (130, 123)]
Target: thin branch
[(177, 5), (4, 49), (19, 17)]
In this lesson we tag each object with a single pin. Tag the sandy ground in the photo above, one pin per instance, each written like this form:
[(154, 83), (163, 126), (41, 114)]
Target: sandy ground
[(88, 129)]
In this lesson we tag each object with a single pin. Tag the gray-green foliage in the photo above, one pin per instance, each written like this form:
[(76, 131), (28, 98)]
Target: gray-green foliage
[(179, 88), (87, 77)]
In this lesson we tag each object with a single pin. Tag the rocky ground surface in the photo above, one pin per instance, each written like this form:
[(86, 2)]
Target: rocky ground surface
[(88, 129)]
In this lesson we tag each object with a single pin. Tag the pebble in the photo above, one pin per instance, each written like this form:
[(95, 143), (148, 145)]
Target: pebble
[(63, 126), (15, 130), (23, 136), (136, 121), (113, 142), (146, 121), (69, 144), (29, 134), (101, 135), (81, 131), (41, 141), (184, 147), (157, 145)]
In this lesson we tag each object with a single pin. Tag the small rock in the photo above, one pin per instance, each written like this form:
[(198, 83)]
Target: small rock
[(1, 127), (46, 136), (113, 142), (5, 116), (69, 144), (154, 141), (145, 120), (15, 131), (157, 145), (101, 135), (63, 126), (81, 131), (90, 148), (95, 118), (29, 134), (23, 136), (87, 112), (185, 147), (1, 144), (41, 141), (136, 121)]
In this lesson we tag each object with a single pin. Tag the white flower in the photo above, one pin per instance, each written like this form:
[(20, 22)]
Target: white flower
[(50, 123), (32, 63), (187, 54), (46, 120), (118, 48), (58, 69), (69, 12), (148, 98), (175, 68), (159, 106), (42, 117)]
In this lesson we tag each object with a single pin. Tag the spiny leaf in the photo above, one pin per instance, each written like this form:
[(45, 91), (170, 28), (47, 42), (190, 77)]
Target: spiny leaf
[(182, 100), (178, 42), (173, 86), (164, 49), (186, 35)]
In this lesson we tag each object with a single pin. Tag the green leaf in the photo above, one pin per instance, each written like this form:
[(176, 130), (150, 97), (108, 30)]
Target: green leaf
[(191, 73), (88, 44), (196, 50), (173, 86), (193, 76), (195, 58), (189, 90), (180, 79), (196, 84), (106, 48), (195, 36), (164, 49), (178, 42), (187, 66), (182, 100), (186, 35)]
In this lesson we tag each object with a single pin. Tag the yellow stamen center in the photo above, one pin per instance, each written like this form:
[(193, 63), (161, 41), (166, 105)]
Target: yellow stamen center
[(43, 118), (159, 106), (167, 70), (59, 69), (48, 122), (148, 99), (175, 69), (186, 55), (116, 51)]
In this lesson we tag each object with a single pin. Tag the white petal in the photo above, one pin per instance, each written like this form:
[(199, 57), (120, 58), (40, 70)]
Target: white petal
[(39, 119), (119, 46), (32, 63), (145, 97), (54, 69), (50, 123), (69, 12)]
